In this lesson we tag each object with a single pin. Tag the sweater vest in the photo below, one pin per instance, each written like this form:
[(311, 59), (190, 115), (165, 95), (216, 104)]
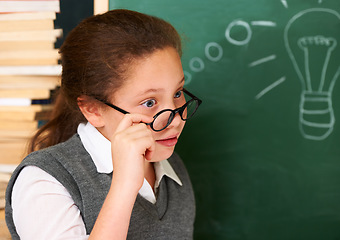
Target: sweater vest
[(171, 217)]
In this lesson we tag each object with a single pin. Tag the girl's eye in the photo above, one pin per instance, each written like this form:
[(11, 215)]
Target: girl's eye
[(178, 94), (150, 103)]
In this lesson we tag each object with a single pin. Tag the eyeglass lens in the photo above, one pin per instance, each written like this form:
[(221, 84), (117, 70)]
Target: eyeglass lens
[(165, 118)]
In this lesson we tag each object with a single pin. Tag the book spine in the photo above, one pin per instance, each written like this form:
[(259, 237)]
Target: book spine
[(29, 6)]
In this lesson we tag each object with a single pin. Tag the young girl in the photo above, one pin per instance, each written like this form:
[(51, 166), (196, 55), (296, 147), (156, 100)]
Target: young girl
[(105, 166)]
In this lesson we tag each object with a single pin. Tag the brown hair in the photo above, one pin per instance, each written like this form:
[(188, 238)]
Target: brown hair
[(96, 57)]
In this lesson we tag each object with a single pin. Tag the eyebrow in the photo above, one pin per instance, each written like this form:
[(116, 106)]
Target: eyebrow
[(152, 90)]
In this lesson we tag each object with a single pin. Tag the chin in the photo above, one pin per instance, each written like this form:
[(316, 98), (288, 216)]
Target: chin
[(162, 154)]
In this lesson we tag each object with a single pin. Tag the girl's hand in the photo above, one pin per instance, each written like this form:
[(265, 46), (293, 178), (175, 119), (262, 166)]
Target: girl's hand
[(132, 144)]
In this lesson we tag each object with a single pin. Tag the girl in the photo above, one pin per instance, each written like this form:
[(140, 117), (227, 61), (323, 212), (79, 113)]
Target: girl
[(105, 166)]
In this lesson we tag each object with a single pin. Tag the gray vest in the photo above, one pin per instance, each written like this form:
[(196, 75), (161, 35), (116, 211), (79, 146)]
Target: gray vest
[(172, 217)]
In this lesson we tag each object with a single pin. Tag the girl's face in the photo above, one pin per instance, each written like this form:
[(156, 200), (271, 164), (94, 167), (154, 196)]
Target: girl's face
[(155, 83)]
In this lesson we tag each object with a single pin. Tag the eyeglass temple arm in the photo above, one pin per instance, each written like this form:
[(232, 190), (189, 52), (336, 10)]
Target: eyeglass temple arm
[(118, 109), (113, 106), (189, 93), (192, 95)]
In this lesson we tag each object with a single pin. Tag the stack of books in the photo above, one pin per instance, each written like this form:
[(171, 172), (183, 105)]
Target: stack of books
[(29, 73)]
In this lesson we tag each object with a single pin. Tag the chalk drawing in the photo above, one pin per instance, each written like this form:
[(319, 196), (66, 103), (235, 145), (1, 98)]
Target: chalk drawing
[(307, 44), (187, 77), (238, 23), (262, 60), (317, 82), (263, 23), (219, 50), (270, 87), (316, 118), (196, 64), (284, 2)]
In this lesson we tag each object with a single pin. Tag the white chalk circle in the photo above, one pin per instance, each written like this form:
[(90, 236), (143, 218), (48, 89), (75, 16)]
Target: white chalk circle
[(196, 64), (219, 50), (187, 77), (238, 23)]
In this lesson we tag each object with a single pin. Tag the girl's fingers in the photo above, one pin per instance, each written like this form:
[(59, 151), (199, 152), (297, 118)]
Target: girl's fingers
[(134, 132), (148, 154), (132, 119), (132, 144)]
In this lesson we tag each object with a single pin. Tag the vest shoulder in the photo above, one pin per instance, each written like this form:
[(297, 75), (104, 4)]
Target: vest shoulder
[(63, 151), (62, 161)]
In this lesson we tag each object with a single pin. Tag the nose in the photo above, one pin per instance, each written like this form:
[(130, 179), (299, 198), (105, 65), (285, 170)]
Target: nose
[(176, 121)]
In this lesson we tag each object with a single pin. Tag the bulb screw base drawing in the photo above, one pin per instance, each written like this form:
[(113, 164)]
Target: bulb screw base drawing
[(316, 115)]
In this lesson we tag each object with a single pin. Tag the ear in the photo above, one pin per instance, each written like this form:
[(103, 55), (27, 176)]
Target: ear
[(91, 111)]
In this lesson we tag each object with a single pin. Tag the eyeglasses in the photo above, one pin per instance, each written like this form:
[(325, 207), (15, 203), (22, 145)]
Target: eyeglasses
[(165, 117)]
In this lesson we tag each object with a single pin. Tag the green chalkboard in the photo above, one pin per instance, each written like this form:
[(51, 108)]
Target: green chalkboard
[(264, 150)]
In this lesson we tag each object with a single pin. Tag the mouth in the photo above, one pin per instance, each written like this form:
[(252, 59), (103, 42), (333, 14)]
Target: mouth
[(168, 142)]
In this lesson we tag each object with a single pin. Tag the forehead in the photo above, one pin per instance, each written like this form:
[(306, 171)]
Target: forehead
[(159, 71)]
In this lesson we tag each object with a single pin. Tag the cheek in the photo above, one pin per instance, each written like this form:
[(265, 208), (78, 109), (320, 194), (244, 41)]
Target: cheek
[(181, 127), (183, 124)]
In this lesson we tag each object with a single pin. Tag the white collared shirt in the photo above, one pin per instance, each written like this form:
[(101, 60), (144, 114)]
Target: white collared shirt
[(37, 193)]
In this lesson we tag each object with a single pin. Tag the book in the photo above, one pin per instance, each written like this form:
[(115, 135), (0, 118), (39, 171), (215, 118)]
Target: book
[(4, 179), (16, 134), (32, 93), (52, 70), (43, 35), (25, 45), (12, 152), (15, 101), (27, 16), (25, 113), (26, 25), (29, 73), (29, 81), (39, 61), (29, 57), (19, 125), (8, 168), (29, 6)]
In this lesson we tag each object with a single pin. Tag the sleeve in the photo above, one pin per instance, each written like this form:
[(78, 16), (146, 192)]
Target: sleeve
[(44, 209)]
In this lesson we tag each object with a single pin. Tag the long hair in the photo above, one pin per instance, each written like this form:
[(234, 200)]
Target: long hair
[(96, 57)]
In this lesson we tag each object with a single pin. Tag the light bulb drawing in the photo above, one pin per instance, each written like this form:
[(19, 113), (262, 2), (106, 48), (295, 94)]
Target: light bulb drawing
[(311, 39), (311, 49)]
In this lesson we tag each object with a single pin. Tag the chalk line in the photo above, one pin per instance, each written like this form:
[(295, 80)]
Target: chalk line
[(284, 2), (262, 60), (263, 23), (270, 87)]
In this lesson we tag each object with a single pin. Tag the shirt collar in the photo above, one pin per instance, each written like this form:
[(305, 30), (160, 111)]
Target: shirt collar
[(99, 149), (164, 168), (97, 146)]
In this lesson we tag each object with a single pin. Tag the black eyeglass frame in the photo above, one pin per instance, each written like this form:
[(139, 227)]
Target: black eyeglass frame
[(179, 110)]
